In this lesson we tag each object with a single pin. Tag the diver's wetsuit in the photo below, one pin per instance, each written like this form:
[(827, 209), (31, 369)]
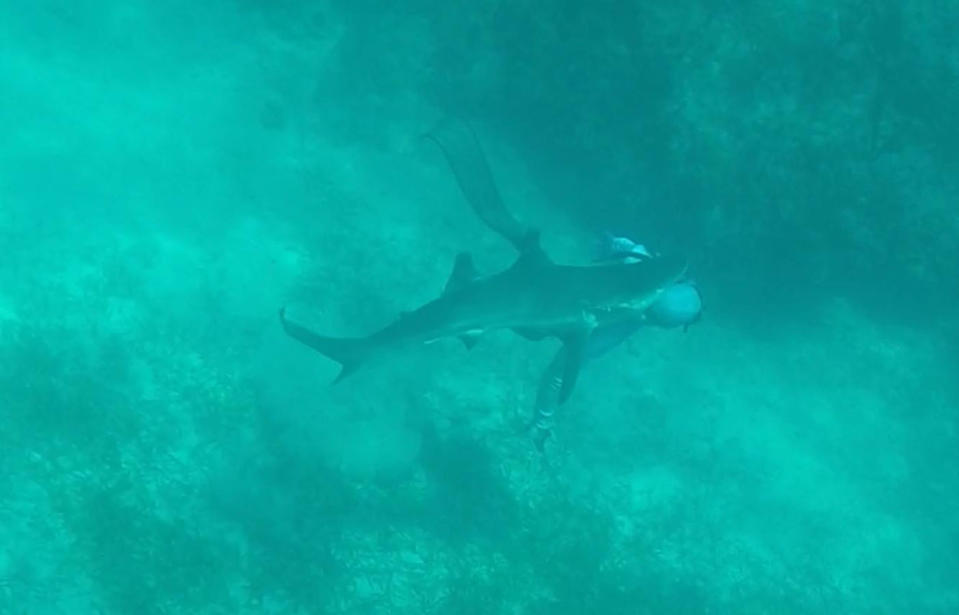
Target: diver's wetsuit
[(600, 342), (675, 307), (679, 306)]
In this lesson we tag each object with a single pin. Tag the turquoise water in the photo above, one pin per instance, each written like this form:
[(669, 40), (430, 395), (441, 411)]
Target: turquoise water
[(173, 173)]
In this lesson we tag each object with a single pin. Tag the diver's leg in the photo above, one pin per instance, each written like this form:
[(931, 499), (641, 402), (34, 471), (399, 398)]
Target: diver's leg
[(601, 341), (547, 399)]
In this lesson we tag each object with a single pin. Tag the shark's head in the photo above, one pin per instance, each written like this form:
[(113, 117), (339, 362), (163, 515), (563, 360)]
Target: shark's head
[(633, 287)]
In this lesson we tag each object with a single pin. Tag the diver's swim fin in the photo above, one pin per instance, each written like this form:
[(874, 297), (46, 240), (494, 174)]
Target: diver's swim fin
[(466, 158)]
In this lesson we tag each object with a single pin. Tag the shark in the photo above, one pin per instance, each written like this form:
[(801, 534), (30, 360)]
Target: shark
[(535, 297)]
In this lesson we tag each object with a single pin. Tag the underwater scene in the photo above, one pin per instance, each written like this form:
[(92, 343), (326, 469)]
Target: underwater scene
[(492, 307)]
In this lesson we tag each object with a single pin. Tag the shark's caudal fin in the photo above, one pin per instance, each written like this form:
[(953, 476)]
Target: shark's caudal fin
[(349, 352)]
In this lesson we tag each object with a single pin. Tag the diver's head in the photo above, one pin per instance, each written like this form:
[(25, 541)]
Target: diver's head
[(679, 305)]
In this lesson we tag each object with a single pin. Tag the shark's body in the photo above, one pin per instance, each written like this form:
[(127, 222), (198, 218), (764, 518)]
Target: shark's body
[(534, 297)]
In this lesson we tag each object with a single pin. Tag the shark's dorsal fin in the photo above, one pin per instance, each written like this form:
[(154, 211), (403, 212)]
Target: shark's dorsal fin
[(532, 254), (464, 272)]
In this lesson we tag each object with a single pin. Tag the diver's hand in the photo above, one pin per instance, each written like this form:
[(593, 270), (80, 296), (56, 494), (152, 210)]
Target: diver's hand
[(614, 248)]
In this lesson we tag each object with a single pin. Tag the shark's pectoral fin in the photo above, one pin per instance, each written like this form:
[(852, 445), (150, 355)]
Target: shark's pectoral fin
[(470, 338), (532, 333), (575, 350)]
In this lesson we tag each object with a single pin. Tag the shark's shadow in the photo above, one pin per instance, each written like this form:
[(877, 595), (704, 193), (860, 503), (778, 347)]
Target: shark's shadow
[(469, 499)]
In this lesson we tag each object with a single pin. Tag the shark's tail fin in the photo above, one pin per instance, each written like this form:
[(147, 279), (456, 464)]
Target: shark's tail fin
[(349, 352)]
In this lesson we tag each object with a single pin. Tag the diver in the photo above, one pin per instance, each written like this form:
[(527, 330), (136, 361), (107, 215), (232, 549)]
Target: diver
[(680, 305)]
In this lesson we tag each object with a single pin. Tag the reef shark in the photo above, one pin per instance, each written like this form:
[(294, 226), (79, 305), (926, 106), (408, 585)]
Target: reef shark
[(534, 297)]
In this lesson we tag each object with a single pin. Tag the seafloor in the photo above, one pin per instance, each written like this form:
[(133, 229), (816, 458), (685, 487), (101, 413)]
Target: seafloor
[(170, 177)]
